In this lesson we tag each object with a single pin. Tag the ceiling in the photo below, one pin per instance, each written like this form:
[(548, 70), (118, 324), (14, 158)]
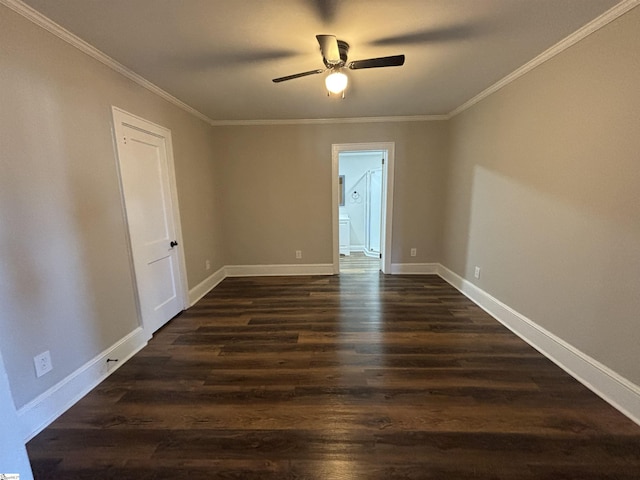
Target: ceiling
[(219, 56)]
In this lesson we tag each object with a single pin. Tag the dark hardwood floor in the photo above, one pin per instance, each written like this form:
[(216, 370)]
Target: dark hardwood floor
[(357, 376)]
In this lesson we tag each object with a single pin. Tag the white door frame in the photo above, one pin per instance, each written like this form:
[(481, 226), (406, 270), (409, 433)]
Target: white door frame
[(121, 117), (387, 198)]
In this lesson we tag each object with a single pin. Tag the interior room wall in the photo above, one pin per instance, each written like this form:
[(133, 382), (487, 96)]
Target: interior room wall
[(543, 195), (277, 189), (66, 280)]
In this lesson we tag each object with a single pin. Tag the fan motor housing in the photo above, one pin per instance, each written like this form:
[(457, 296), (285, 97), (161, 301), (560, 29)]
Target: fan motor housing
[(343, 48)]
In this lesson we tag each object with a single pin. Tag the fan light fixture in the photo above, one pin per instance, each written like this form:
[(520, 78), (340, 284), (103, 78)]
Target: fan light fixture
[(334, 56), (336, 82)]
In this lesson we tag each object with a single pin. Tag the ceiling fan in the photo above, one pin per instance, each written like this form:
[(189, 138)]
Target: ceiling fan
[(334, 56)]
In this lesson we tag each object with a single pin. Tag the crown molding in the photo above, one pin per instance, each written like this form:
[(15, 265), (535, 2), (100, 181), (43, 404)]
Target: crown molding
[(327, 121), (46, 23), (591, 27)]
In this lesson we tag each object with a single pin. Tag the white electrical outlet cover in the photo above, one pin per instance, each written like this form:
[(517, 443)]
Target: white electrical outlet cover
[(43, 363)]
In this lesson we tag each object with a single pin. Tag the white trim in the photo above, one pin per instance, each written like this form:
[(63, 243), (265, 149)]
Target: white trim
[(621, 393), (415, 268), (330, 121), (335, 209), (583, 32), (278, 270), (204, 287), (40, 412)]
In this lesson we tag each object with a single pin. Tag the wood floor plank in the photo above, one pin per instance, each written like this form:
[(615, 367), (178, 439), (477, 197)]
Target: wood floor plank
[(357, 376)]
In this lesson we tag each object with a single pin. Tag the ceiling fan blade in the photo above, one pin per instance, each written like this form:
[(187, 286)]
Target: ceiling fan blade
[(329, 48), (297, 75), (432, 35), (393, 61), (325, 9)]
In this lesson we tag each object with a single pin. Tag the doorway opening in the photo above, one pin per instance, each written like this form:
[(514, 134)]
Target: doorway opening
[(363, 181), (360, 209)]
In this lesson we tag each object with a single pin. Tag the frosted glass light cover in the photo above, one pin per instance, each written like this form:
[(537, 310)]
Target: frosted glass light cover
[(336, 82)]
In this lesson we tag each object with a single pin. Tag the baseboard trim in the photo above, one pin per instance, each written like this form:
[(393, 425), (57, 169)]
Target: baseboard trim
[(621, 393), (278, 270), (414, 268), (36, 415), (204, 287)]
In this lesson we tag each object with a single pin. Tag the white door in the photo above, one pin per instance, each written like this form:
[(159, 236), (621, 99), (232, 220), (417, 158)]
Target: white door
[(144, 170)]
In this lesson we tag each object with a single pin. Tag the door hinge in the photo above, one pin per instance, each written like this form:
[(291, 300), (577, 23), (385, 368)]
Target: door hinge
[(380, 255), (383, 161)]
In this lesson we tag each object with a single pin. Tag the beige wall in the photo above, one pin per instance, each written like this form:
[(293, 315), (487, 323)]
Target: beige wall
[(277, 189), (65, 274), (544, 195)]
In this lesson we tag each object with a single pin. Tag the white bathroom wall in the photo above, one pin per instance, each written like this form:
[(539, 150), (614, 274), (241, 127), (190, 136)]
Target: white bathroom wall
[(354, 165)]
